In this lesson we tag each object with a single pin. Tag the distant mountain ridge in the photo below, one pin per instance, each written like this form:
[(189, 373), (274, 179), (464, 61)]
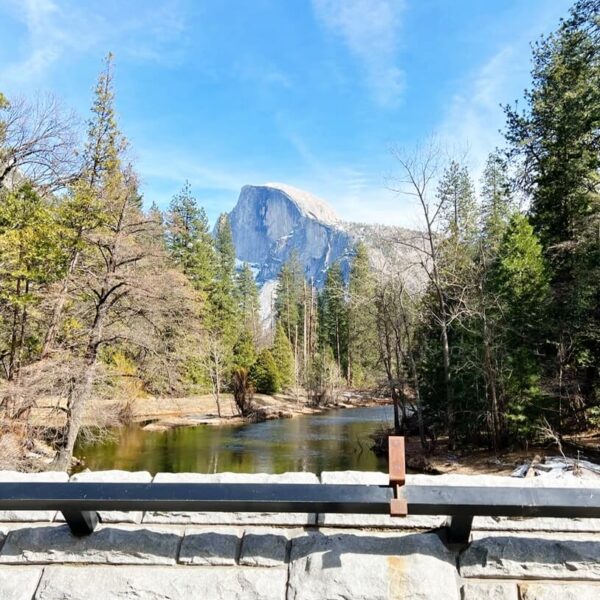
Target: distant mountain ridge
[(270, 221)]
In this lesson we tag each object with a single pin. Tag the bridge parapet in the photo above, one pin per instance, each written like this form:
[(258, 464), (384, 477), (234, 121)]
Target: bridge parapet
[(296, 556)]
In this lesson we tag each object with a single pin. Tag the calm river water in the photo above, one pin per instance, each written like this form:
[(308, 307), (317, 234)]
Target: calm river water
[(335, 440)]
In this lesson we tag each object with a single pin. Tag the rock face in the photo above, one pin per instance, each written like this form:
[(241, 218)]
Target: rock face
[(272, 220)]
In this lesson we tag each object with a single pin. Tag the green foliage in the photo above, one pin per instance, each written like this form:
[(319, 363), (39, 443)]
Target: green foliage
[(248, 300), (362, 326), (283, 355), (458, 204), (496, 201), (333, 316), (264, 374), (105, 143), (224, 319), (31, 257), (288, 301), (557, 140), (244, 351), (520, 274), (189, 240)]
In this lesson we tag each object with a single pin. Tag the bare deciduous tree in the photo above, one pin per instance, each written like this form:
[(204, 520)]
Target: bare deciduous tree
[(37, 143)]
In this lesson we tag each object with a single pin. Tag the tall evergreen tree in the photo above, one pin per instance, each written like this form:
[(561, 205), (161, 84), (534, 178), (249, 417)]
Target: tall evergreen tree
[(557, 140), (334, 316), (519, 281), (362, 320), (458, 203), (84, 209), (248, 301), (225, 313), (283, 355), (497, 204), (288, 300), (189, 240)]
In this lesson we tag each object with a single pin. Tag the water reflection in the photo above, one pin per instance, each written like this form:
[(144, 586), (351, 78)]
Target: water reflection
[(336, 440)]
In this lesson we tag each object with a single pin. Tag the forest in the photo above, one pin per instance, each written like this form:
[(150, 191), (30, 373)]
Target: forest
[(103, 295)]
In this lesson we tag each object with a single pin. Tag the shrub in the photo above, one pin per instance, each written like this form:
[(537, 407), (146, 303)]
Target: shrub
[(264, 374)]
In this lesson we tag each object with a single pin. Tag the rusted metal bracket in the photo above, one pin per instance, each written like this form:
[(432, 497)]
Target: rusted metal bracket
[(398, 506)]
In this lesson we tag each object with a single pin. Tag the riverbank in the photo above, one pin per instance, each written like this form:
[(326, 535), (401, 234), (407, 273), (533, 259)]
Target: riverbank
[(163, 413), (159, 414)]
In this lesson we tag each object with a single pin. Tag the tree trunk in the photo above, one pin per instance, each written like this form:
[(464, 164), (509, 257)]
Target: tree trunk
[(448, 387), (80, 393), (52, 332), (490, 379)]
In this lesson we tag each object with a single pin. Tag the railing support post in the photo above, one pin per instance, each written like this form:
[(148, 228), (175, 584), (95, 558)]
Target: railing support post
[(398, 506), (458, 529), (81, 522)]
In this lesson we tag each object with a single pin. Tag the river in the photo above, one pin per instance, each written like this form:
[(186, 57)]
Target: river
[(332, 441)]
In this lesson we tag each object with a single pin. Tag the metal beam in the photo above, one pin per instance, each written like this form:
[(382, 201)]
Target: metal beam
[(79, 501), (196, 497), (502, 501)]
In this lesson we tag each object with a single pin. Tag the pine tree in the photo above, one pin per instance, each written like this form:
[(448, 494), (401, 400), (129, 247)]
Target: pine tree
[(334, 316), (248, 301), (189, 240), (458, 203), (283, 355), (362, 322), (520, 282), (244, 351), (497, 204), (264, 374), (225, 313), (288, 300), (83, 211), (557, 139)]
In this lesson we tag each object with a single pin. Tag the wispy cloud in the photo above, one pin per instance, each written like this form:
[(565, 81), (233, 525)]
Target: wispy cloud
[(474, 119), (56, 29), (356, 189), (370, 30), (259, 72)]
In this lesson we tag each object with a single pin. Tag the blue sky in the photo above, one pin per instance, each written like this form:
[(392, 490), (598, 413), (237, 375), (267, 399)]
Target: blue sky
[(310, 93)]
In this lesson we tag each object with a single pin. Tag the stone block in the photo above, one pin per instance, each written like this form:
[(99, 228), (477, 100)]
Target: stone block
[(109, 544), (115, 516), (161, 583), (214, 546), (496, 590), (264, 547), (30, 515), (522, 556), (536, 524), (371, 565), (226, 518), (19, 583), (559, 591)]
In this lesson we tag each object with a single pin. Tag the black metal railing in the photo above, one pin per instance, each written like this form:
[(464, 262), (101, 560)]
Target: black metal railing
[(80, 502)]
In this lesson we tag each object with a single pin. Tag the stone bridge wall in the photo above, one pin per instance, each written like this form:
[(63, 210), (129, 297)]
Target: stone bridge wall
[(173, 556)]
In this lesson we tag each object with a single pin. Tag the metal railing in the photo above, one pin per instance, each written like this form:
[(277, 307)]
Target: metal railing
[(80, 502)]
